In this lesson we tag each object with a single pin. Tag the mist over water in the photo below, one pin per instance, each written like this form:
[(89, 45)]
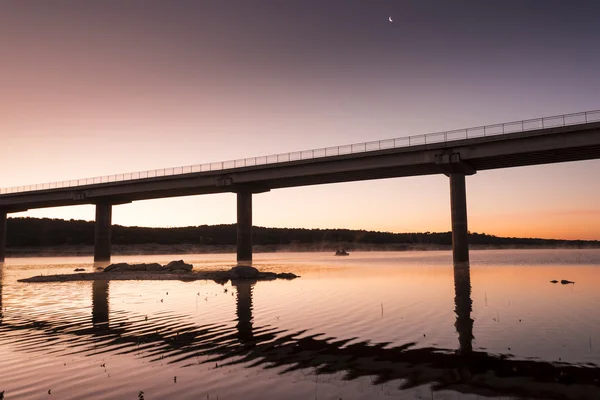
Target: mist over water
[(371, 325)]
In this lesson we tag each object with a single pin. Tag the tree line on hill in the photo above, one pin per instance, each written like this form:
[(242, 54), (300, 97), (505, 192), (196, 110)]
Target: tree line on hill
[(34, 232)]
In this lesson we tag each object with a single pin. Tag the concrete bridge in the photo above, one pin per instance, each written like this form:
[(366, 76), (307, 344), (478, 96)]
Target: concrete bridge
[(456, 153)]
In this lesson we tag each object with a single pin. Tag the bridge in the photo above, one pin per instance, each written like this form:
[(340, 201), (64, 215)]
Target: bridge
[(457, 154)]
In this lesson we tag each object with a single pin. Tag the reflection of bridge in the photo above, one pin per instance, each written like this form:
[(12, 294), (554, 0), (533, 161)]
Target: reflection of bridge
[(462, 370), (454, 153)]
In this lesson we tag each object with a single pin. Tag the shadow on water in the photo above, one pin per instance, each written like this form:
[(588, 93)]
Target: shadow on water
[(244, 309), (463, 307), (1, 287), (100, 305), (462, 370)]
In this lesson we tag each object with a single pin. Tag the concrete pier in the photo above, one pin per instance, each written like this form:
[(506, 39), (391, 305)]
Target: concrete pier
[(2, 235), (244, 226), (102, 232), (458, 204)]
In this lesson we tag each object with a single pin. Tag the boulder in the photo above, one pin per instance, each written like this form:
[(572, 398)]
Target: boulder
[(136, 267), (121, 267), (115, 267), (287, 275), (179, 266), (154, 267), (243, 272)]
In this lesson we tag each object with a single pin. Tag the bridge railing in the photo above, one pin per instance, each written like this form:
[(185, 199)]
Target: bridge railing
[(430, 138)]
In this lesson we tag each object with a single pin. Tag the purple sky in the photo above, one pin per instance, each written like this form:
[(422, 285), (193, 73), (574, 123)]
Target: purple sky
[(107, 87)]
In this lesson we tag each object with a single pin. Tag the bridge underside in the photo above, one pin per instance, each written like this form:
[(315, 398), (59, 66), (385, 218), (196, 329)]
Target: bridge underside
[(103, 226)]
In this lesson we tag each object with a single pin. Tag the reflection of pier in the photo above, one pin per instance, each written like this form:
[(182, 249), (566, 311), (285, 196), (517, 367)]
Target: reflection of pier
[(463, 307), (244, 309), (465, 370), (1, 286), (100, 305)]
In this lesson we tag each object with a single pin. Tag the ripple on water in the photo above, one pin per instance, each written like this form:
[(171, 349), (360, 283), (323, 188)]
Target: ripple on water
[(349, 328)]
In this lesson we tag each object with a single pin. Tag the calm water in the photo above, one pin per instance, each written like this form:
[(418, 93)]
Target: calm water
[(369, 326)]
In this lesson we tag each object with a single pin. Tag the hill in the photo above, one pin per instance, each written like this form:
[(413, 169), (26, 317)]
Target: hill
[(45, 232)]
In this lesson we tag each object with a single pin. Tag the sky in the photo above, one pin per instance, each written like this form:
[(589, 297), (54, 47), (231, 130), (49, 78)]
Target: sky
[(98, 88)]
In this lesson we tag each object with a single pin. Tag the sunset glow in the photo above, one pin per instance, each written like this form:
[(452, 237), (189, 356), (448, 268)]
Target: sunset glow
[(105, 88)]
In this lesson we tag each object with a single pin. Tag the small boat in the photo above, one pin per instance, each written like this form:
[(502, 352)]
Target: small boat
[(341, 253)]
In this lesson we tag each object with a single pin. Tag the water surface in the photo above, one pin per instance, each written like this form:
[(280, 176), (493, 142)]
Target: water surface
[(371, 325)]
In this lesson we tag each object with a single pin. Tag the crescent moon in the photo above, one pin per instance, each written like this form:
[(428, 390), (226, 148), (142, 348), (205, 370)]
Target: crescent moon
[(390, 18)]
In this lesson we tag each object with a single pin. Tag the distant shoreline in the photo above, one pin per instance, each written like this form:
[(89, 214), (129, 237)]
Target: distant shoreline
[(161, 249)]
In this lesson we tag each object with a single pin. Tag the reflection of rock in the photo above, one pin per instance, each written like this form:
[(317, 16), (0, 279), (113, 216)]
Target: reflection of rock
[(554, 281), (178, 266), (341, 253), (79, 269)]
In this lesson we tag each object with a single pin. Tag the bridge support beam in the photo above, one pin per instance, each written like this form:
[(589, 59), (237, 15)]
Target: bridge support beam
[(2, 235), (102, 232), (244, 226), (458, 205)]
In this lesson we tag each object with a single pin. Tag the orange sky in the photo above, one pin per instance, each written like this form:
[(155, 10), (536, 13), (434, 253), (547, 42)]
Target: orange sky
[(89, 91)]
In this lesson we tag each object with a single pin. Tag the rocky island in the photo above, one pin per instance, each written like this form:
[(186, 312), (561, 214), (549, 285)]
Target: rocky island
[(175, 270)]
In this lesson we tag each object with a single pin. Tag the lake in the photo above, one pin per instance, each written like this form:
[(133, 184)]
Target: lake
[(374, 325)]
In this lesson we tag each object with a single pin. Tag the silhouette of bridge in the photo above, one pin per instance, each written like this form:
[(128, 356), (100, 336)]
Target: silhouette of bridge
[(457, 153)]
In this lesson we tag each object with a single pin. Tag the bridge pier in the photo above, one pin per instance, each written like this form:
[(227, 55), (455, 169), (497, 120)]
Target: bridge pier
[(2, 235), (244, 226), (458, 205), (102, 232)]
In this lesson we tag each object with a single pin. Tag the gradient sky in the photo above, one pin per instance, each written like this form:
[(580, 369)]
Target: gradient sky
[(97, 88)]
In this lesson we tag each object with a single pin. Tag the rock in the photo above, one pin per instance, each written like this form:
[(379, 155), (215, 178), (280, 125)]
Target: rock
[(287, 275), (554, 281), (267, 276), (115, 267), (79, 269), (243, 272), (179, 266), (122, 267), (221, 280), (154, 267), (565, 282), (341, 253)]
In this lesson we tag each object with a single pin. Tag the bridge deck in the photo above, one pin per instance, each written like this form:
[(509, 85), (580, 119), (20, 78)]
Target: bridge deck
[(549, 145)]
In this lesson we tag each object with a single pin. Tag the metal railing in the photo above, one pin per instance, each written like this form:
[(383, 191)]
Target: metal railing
[(430, 138)]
